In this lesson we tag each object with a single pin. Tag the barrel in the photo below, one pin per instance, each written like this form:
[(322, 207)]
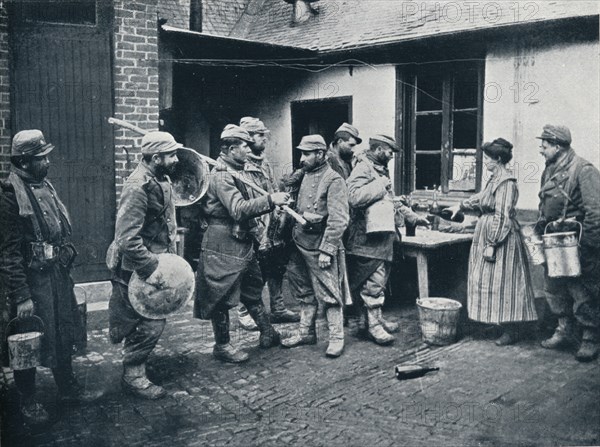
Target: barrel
[(438, 319), (25, 348), (379, 217), (562, 254)]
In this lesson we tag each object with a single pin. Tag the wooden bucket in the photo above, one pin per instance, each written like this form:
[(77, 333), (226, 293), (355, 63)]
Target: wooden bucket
[(25, 348), (438, 318), (562, 254), (379, 217)]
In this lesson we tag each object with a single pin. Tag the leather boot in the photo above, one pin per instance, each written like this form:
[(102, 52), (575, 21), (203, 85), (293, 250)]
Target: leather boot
[(561, 336), (269, 337), (279, 314), (306, 333), (376, 331), (135, 382), (510, 335), (589, 348), (388, 326), (32, 411), (335, 322), (223, 349), (69, 389), (362, 324)]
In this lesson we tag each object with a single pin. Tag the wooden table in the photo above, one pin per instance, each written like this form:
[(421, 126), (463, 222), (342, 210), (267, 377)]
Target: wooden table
[(423, 245)]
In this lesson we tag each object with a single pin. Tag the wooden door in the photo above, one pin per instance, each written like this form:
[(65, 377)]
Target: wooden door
[(62, 84)]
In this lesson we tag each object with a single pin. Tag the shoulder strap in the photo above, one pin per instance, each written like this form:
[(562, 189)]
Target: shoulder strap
[(574, 171)]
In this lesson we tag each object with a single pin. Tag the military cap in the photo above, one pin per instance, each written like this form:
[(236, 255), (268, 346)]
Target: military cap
[(312, 143), (350, 130), (253, 125), (233, 131), (556, 134), (157, 142), (30, 143), (384, 139)]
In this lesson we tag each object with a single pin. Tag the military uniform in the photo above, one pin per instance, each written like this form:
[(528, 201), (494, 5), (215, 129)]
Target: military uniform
[(322, 193), (370, 255), (35, 265), (569, 190), (146, 226)]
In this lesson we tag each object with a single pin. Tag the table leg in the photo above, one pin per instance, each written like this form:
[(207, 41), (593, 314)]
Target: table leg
[(423, 274)]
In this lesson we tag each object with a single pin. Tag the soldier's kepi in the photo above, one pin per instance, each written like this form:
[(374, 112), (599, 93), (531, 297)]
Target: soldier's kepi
[(145, 228)]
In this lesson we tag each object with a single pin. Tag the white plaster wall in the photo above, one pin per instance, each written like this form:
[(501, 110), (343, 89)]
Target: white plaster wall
[(373, 106), (527, 86)]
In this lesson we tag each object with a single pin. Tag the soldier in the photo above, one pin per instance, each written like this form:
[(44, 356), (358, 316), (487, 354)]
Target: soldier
[(260, 172), (228, 271), (370, 256), (569, 194), (145, 227), (314, 272), (340, 152), (35, 269)]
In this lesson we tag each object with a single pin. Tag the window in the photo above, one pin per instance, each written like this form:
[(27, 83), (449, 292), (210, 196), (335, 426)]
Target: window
[(81, 12), (443, 104)]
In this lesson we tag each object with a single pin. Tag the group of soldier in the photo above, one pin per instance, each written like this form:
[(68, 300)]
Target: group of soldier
[(329, 258)]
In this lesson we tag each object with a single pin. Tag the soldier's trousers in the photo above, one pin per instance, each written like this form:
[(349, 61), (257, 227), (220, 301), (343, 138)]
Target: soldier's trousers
[(309, 282), (570, 297), (140, 334), (372, 291)]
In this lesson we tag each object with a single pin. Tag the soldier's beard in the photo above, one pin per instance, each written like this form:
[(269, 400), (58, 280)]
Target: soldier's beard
[(165, 170), (38, 170)]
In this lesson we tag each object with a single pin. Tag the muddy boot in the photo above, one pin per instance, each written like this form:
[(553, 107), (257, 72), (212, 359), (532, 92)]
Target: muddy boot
[(135, 382), (335, 322), (279, 314), (245, 320), (306, 333), (223, 349), (376, 332), (32, 411), (269, 337), (69, 389), (561, 336), (389, 326), (589, 348)]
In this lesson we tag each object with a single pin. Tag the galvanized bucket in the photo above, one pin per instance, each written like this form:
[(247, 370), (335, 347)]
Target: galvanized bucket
[(534, 246), (438, 318), (379, 217), (562, 254), (25, 348)]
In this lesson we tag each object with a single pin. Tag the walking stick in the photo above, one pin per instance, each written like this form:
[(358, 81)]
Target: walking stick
[(121, 123)]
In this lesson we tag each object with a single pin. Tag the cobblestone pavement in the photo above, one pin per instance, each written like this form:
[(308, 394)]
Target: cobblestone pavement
[(482, 395)]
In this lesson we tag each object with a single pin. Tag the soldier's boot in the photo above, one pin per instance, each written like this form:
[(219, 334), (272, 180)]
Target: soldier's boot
[(306, 334), (376, 331), (389, 326), (562, 334), (69, 389), (363, 323), (589, 348), (223, 349), (245, 320), (269, 337), (335, 322), (137, 383), (279, 313), (32, 411)]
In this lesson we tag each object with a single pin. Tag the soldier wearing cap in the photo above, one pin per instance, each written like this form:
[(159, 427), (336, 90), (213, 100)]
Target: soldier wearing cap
[(260, 172), (228, 271), (145, 227), (314, 272), (569, 192), (35, 270), (370, 255), (340, 152)]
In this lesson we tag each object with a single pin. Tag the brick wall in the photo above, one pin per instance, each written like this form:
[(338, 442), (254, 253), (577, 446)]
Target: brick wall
[(135, 78), (5, 134)]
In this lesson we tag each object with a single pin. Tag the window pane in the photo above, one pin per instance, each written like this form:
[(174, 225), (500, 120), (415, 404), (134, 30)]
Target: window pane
[(429, 92), (465, 89), (463, 173), (429, 133), (427, 171), (465, 130)]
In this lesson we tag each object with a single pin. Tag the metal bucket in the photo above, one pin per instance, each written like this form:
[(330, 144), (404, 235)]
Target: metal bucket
[(25, 348), (534, 246), (438, 318), (562, 254), (379, 217)]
